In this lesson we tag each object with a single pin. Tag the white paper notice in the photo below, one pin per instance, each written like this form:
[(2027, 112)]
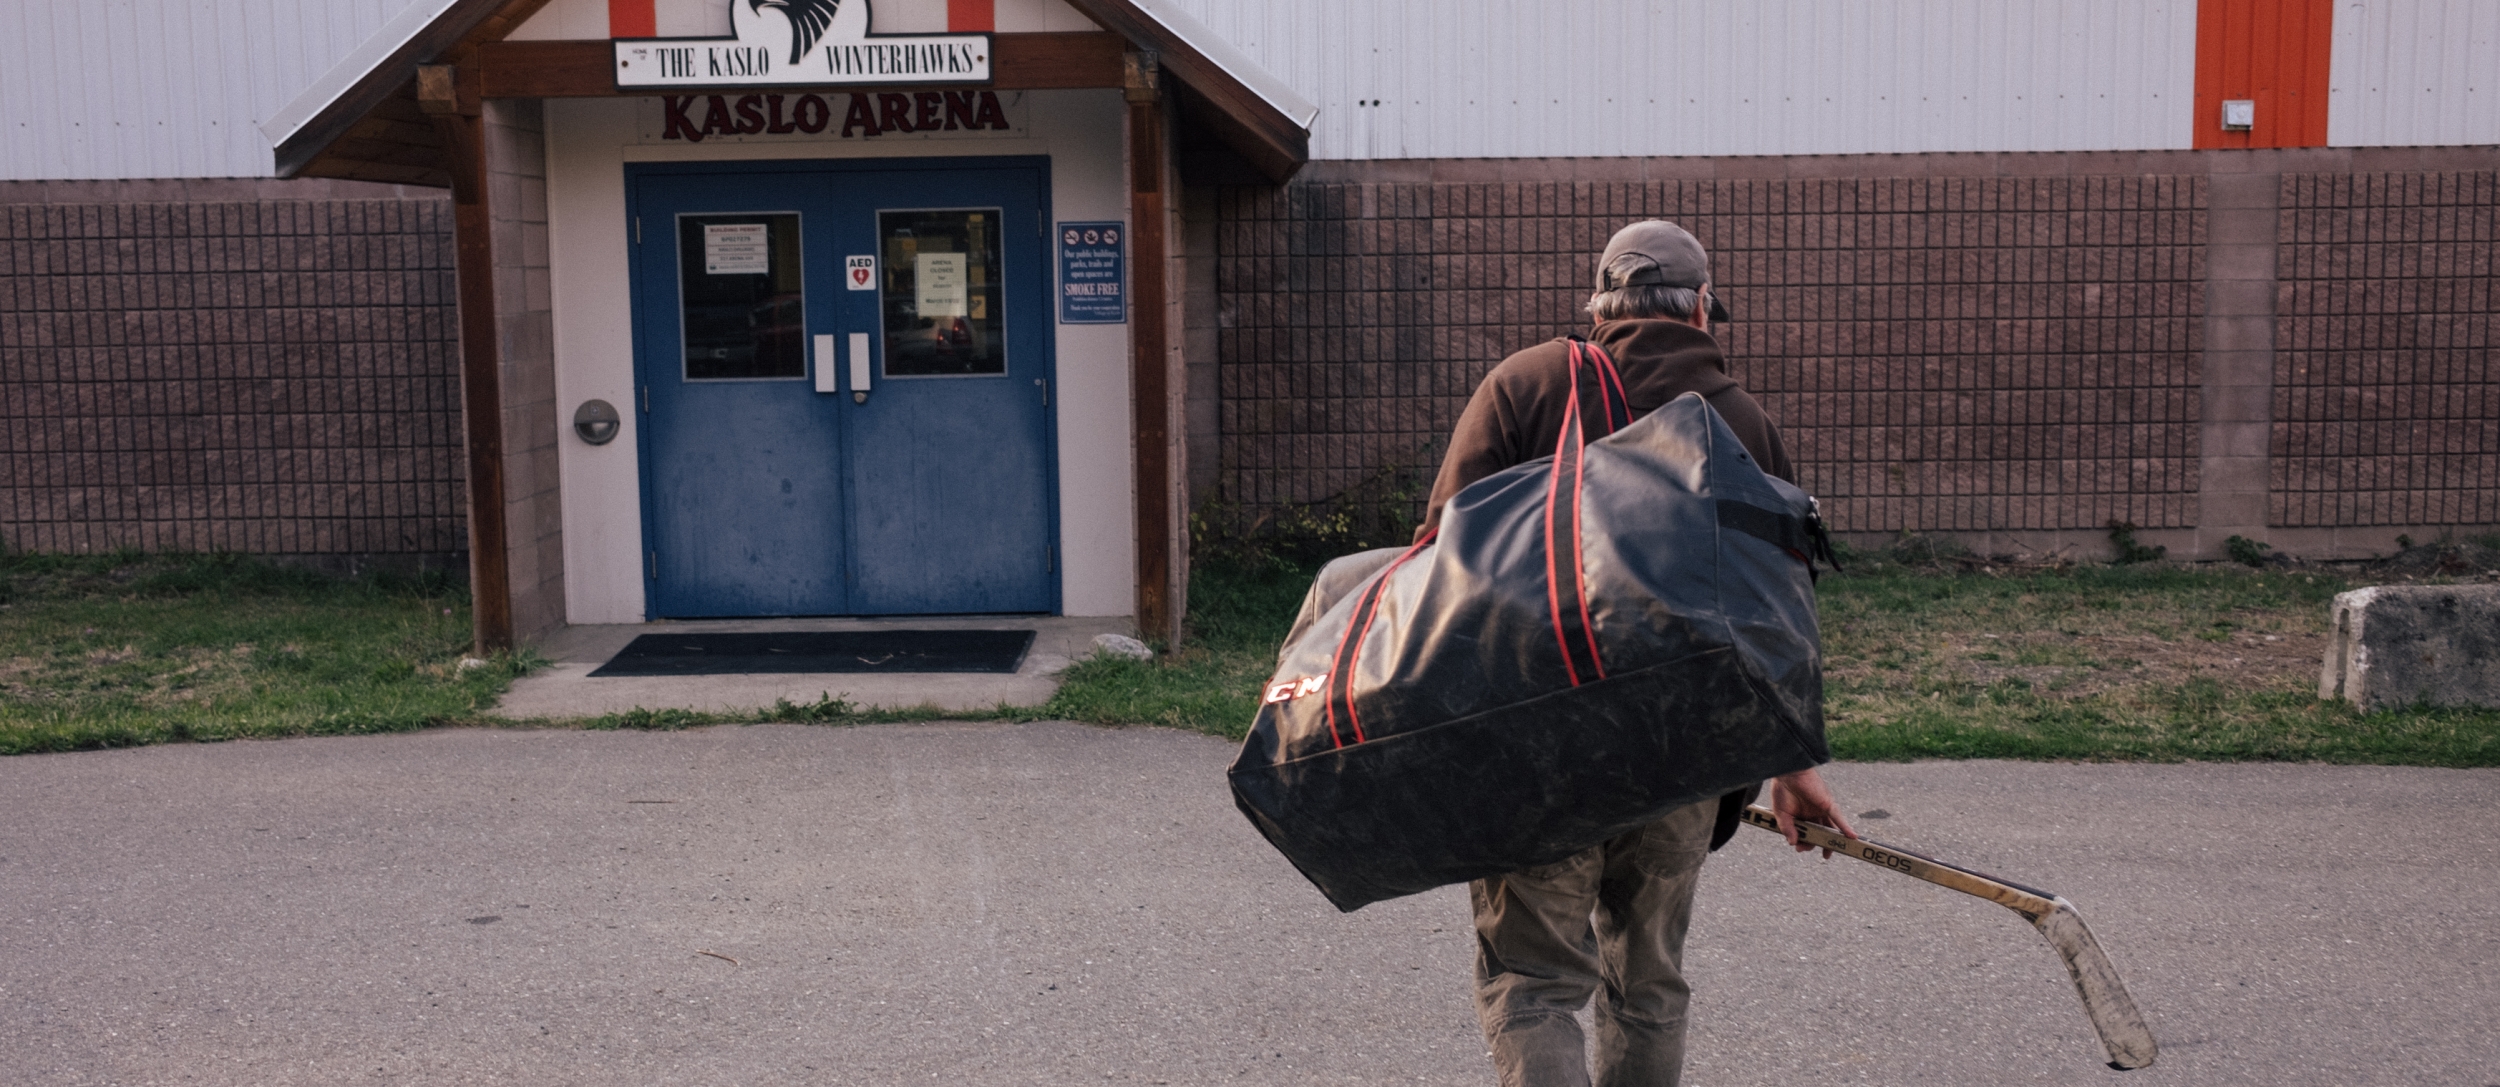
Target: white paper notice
[(938, 283), (736, 249)]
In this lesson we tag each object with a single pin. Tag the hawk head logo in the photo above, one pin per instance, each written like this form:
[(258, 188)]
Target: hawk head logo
[(808, 20)]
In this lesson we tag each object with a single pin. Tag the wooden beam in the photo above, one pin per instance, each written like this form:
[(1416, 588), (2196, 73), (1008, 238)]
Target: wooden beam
[(546, 69), (1047, 62), (379, 129), (586, 69), (1149, 363), (481, 379), (359, 170)]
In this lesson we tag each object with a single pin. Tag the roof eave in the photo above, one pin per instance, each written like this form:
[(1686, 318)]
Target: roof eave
[(1258, 113), (1253, 110), (372, 73)]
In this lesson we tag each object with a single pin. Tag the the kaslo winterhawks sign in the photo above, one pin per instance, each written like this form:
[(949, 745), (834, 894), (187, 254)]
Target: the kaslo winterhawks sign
[(800, 43)]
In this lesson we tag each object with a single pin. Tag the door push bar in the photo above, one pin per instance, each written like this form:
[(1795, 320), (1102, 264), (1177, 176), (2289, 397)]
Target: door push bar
[(859, 366)]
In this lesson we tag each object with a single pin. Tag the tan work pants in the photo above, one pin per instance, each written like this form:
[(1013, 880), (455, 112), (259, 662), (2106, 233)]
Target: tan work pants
[(1547, 937)]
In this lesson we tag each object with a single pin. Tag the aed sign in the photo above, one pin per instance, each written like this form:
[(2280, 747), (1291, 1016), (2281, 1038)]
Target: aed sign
[(800, 43), (1093, 273)]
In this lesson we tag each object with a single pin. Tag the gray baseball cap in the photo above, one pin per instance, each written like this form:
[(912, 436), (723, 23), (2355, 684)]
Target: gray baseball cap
[(1673, 258)]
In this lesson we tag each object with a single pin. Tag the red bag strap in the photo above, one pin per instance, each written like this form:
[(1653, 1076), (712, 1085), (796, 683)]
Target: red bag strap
[(1616, 405), (1350, 646), (1566, 580)]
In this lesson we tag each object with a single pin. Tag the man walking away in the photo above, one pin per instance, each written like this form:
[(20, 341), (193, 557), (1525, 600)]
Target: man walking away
[(1610, 918)]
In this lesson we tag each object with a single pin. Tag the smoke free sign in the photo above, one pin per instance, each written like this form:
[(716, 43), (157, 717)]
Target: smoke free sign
[(1093, 273)]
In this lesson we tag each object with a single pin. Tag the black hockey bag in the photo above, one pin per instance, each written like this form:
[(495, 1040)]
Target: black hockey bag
[(1590, 641)]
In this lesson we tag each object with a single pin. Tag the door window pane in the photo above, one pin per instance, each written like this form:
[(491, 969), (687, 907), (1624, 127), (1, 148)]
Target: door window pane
[(738, 285), (942, 293)]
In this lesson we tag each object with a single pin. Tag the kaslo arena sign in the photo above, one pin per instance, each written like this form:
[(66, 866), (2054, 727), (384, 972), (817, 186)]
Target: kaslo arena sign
[(800, 43)]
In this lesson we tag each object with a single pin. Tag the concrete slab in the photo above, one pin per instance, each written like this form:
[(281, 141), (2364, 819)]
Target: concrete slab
[(992, 905), (2395, 645), (567, 689)]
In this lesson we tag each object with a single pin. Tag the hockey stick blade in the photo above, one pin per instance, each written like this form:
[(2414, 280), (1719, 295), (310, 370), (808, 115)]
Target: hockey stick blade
[(2123, 1031)]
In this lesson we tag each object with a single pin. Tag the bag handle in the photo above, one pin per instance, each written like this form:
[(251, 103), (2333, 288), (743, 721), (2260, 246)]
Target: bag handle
[(1566, 579), (1615, 405)]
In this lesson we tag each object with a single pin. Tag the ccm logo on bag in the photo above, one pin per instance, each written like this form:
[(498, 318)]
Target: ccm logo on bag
[(1286, 690)]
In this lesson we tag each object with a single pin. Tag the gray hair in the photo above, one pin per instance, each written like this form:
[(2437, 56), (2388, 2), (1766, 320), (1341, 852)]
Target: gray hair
[(1644, 300), (1636, 300)]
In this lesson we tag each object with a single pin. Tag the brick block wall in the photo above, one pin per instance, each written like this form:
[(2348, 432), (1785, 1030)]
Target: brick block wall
[(268, 374), (516, 179), (2386, 395), (1944, 353)]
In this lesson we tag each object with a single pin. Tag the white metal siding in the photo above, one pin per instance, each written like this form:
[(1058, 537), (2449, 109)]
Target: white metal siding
[(2410, 73), (161, 88), (178, 88), (1481, 78)]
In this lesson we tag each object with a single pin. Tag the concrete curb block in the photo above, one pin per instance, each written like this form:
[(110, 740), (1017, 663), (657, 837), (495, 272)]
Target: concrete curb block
[(2391, 646)]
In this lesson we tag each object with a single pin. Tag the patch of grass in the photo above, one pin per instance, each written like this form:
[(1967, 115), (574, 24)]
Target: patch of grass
[(2146, 661), (2136, 662), (2168, 724), (2140, 662), (1238, 614), (122, 649)]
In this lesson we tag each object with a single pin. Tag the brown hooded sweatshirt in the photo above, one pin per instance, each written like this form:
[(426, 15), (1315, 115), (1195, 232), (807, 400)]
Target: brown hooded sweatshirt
[(1516, 414)]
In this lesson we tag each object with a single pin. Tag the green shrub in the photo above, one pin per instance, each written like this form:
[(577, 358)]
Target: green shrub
[(2245, 551), (2125, 550)]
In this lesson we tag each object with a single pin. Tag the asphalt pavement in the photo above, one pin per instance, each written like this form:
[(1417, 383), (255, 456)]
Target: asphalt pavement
[(1060, 904)]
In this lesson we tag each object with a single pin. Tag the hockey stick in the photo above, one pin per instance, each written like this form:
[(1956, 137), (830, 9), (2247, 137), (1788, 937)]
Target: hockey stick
[(2105, 1001)]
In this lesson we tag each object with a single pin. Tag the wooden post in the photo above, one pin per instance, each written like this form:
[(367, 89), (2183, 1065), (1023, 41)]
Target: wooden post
[(450, 97), (1158, 614)]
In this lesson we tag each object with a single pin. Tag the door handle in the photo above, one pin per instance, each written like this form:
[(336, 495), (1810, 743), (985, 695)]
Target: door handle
[(825, 363), (859, 367)]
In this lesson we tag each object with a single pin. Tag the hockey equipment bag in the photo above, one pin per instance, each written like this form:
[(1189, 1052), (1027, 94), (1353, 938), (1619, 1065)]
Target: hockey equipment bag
[(1591, 640)]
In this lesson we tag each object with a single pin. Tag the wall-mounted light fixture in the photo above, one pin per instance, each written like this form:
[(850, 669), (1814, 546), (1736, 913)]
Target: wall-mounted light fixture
[(596, 421), (2239, 114)]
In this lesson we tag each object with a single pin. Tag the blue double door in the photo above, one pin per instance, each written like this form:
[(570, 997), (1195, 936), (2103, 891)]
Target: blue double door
[(844, 372)]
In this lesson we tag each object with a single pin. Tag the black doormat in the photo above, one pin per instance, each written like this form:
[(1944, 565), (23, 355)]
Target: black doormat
[(692, 654)]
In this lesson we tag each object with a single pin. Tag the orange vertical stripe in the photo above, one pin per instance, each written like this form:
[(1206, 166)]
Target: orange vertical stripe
[(969, 16), (633, 19), (2265, 52), (2319, 47), (2276, 53)]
